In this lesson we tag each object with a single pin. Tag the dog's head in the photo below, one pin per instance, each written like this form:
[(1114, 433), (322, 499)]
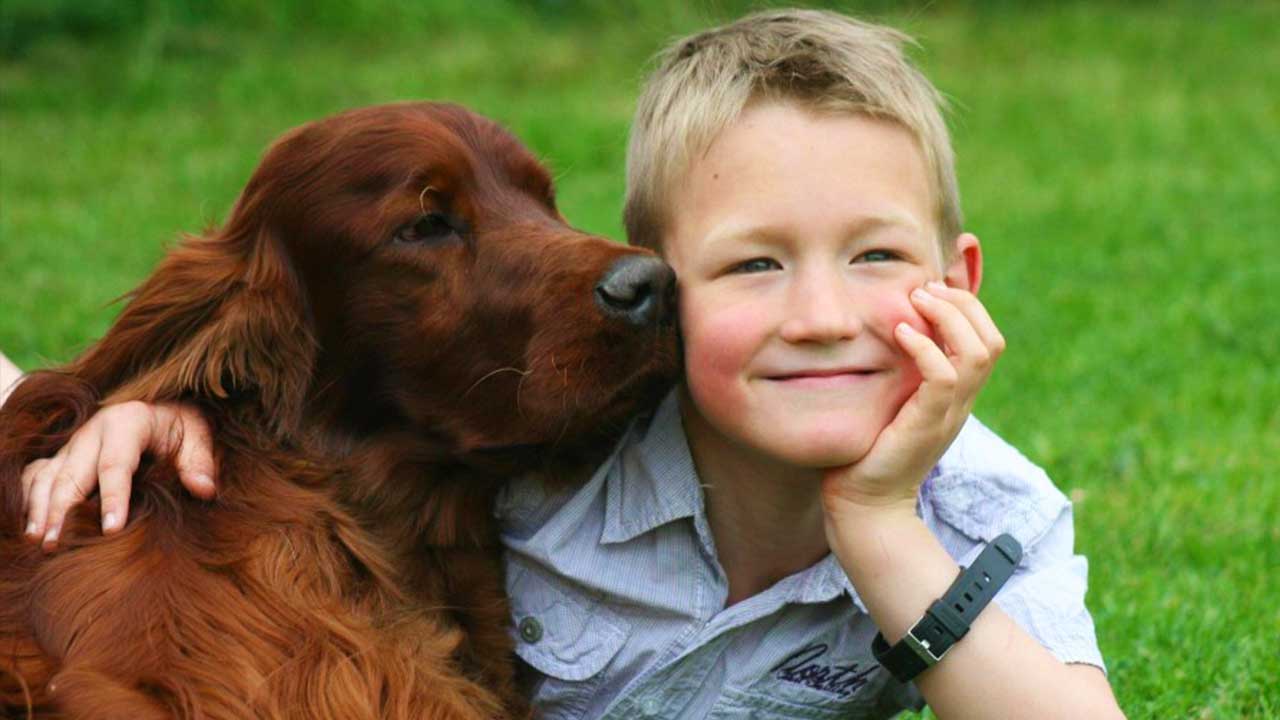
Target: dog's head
[(402, 268)]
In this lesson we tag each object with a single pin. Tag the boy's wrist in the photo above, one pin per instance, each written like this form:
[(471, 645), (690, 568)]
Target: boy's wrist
[(853, 523), (844, 500), (896, 565), (873, 538)]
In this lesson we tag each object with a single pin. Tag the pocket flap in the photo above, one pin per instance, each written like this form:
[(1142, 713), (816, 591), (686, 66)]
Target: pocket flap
[(570, 638)]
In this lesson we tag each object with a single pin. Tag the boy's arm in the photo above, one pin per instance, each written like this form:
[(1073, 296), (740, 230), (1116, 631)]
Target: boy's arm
[(9, 377), (107, 449), (997, 669), (899, 568)]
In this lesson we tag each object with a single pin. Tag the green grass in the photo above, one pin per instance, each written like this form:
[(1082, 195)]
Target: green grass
[(1120, 163)]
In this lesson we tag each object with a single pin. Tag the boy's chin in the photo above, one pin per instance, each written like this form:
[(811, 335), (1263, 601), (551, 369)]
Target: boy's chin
[(821, 452)]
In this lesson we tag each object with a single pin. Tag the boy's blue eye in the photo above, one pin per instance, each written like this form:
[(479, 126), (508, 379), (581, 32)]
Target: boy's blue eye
[(876, 256), (755, 265)]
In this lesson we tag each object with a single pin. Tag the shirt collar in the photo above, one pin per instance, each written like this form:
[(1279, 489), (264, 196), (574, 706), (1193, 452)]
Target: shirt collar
[(827, 580), (653, 481)]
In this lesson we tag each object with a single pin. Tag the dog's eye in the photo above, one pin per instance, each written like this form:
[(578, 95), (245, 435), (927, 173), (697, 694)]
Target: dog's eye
[(429, 229)]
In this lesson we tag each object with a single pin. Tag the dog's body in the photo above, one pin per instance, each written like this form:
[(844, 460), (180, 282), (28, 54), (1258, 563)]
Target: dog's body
[(393, 321)]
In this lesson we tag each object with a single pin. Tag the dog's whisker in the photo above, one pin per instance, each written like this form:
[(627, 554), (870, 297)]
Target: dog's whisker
[(577, 397), (520, 387), (491, 374), (562, 373)]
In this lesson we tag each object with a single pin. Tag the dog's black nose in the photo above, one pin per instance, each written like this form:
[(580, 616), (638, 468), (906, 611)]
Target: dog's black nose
[(639, 289)]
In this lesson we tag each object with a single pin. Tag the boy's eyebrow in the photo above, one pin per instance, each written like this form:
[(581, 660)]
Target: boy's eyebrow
[(765, 234)]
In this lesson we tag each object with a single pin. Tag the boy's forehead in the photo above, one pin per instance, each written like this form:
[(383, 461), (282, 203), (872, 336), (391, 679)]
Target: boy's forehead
[(744, 230), (778, 164)]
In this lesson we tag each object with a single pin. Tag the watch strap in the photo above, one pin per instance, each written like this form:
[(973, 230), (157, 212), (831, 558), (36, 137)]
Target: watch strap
[(948, 619)]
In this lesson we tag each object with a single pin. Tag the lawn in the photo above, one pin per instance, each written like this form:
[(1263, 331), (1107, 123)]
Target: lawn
[(1120, 162)]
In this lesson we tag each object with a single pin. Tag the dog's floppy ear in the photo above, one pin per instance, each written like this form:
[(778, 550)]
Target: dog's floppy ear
[(221, 319)]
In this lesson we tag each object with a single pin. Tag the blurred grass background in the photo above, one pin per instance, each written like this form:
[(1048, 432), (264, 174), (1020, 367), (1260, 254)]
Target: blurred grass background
[(1121, 163)]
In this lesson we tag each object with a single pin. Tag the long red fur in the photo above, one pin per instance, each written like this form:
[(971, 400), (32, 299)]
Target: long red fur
[(348, 567)]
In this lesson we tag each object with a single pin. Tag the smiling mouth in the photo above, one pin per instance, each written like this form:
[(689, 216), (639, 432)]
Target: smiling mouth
[(818, 374), (822, 378)]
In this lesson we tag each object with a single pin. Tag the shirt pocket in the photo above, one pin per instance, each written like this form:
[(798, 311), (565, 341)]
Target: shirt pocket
[(567, 639), (814, 686)]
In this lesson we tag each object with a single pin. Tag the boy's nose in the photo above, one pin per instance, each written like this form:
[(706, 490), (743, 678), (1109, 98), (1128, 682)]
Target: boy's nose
[(819, 311)]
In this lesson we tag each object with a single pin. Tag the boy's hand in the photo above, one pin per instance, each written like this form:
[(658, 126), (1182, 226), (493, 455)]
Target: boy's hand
[(105, 451), (889, 475)]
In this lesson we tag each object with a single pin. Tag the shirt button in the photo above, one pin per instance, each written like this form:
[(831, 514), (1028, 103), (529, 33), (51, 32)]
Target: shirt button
[(530, 630), (650, 706)]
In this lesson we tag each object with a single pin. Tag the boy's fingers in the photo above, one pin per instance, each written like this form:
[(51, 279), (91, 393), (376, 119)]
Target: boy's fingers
[(132, 429), (75, 479), (976, 312), (195, 464), (937, 391), (956, 331), (114, 483), (36, 479), (123, 442), (29, 476)]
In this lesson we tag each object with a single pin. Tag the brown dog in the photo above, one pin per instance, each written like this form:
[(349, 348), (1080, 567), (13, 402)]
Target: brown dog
[(394, 319)]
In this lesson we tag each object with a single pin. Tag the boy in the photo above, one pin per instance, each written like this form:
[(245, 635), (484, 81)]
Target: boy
[(741, 548)]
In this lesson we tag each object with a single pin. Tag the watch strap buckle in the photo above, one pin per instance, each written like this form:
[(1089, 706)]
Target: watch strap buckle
[(922, 648)]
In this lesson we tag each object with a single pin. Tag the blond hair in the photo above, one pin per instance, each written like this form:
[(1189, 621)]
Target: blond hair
[(821, 60)]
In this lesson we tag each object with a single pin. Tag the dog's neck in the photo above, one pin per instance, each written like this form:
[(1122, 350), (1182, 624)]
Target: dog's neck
[(407, 489), (415, 491), (413, 484)]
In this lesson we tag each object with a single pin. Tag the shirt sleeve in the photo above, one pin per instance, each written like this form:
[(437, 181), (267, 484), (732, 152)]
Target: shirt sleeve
[(985, 487), (1046, 596)]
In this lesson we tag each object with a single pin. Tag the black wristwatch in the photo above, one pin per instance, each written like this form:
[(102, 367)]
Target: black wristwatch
[(948, 618)]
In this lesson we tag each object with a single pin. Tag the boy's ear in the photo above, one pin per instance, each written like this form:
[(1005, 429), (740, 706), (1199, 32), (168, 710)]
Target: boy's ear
[(964, 270)]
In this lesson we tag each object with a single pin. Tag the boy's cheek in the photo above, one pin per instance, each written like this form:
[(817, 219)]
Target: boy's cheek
[(910, 382), (894, 309), (716, 350), (707, 367), (897, 308)]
